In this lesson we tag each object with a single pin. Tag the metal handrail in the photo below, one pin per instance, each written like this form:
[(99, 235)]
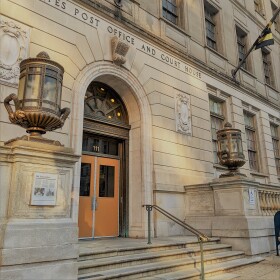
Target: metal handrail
[(200, 236)]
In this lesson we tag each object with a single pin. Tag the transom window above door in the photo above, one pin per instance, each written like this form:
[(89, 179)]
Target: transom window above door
[(103, 103), (100, 144)]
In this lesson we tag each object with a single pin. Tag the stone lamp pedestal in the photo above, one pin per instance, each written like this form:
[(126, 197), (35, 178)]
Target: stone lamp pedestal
[(237, 209), (38, 237)]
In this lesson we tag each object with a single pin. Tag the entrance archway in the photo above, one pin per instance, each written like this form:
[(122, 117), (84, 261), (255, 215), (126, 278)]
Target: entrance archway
[(140, 137), (104, 188)]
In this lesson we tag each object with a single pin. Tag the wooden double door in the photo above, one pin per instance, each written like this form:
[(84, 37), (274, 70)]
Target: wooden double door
[(99, 197)]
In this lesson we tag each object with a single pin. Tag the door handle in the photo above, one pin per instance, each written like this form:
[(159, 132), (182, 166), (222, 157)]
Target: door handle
[(94, 203)]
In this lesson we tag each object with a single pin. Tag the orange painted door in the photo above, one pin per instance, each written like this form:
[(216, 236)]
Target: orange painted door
[(85, 221), (107, 198), (99, 197)]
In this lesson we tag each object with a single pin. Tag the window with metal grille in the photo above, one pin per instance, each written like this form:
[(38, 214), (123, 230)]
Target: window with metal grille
[(267, 67), (277, 20), (251, 141), (169, 10), (210, 28), (217, 120), (241, 44), (275, 141)]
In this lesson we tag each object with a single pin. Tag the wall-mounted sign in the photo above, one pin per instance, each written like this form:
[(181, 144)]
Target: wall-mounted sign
[(44, 189), (252, 197)]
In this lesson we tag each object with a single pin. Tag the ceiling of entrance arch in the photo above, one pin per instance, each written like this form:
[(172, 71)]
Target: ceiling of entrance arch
[(103, 103)]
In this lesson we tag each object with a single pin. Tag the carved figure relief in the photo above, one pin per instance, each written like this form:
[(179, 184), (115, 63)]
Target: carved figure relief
[(183, 114), (13, 45), (119, 51)]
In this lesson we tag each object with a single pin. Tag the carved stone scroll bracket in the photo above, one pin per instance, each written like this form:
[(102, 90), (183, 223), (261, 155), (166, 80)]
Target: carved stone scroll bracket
[(183, 114), (14, 40), (119, 50)]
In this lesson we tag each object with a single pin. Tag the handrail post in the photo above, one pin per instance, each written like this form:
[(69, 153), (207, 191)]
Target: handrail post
[(149, 208), (202, 257)]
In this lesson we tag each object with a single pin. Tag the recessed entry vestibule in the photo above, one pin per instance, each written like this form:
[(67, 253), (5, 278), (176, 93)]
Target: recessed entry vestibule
[(103, 199)]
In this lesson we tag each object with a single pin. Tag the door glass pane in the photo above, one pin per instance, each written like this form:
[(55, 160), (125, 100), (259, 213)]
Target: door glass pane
[(106, 181), (85, 179)]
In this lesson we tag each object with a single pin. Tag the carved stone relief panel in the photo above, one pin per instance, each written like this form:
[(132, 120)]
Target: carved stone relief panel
[(183, 114), (119, 50), (14, 40)]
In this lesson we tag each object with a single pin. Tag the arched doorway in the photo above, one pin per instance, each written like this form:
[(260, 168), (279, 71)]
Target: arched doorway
[(137, 104), (103, 199)]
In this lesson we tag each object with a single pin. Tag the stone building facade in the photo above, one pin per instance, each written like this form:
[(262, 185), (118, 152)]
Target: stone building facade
[(165, 66)]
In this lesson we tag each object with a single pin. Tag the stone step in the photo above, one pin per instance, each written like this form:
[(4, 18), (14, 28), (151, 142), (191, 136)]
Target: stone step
[(94, 253), (89, 266), (212, 271), (155, 268)]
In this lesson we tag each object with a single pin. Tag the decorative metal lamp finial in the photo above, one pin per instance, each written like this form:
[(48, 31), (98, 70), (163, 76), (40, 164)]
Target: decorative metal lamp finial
[(43, 55), (37, 105), (230, 150)]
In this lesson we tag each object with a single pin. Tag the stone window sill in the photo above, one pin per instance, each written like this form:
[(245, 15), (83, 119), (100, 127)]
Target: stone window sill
[(261, 13), (259, 174), (175, 26), (216, 52), (271, 87), (248, 73)]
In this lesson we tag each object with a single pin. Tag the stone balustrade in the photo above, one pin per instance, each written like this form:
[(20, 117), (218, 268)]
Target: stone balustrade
[(269, 202)]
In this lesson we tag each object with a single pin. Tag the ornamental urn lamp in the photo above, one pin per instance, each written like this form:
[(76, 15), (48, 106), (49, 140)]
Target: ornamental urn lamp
[(230, 150), (37, 105)]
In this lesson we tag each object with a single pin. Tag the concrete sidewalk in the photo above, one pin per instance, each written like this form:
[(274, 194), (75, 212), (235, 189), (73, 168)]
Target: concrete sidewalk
[(269, 269)]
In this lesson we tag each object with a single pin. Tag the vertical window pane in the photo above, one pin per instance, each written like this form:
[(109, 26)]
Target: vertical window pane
[(210, 28), (169, 10), (215, 151), (85, 179), (275, 143), (267, 67), (278, 166), (241, 44), (106, 181), (251, 141), (217, 119)]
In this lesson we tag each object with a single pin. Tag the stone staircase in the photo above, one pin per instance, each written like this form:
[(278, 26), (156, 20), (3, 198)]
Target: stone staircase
[(170, 260)]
